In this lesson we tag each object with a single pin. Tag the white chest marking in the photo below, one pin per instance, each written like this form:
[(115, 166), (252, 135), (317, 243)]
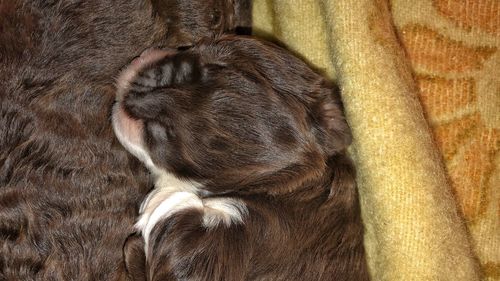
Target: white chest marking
[(172, 195)]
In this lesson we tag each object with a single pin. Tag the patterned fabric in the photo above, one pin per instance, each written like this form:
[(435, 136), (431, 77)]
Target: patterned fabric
[(421, 87), (453, 47)]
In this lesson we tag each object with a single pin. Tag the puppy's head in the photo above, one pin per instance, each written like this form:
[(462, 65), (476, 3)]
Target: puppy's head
[(235, 113)]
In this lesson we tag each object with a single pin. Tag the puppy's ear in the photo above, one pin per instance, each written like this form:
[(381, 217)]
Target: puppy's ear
[(135, 258), (242, 17), (334, 133)]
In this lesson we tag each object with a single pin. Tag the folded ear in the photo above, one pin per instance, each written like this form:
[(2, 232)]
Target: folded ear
[(288, 75), (135, 258), (332, 132)]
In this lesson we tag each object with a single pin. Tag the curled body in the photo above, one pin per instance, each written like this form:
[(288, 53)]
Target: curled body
[(247, 146)]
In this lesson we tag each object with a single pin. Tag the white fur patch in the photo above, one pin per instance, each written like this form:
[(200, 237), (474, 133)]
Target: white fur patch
[(223, 210), (176, 202), (172, 195), (166, 185)]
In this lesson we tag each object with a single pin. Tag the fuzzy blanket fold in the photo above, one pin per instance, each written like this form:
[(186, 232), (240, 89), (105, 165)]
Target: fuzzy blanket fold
[(421, 88)]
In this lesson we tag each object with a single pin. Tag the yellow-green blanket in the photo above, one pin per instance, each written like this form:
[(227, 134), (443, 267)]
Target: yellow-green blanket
[(421, 88)]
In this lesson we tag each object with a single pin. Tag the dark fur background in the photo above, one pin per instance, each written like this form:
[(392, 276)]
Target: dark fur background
[(68, 191)]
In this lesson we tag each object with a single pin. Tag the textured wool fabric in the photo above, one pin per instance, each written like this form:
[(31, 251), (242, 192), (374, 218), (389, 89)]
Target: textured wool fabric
[(305, 35), (453, 47), (415, 228)]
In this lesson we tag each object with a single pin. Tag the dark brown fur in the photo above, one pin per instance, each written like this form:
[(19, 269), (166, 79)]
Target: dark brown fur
[(68, 192), (249, 121)]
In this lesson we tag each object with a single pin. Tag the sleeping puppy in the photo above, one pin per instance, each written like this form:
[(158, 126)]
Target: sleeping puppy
[(69, 192), (252, 181)]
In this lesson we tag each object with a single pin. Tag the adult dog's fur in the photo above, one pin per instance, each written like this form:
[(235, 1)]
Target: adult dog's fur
[(68, 192), (247, 145)]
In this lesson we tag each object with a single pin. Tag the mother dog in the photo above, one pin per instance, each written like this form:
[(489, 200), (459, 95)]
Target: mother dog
[(68, 192)]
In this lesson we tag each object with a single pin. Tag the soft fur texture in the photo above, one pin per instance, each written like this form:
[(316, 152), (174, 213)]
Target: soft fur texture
[(247, 145), (68, 192)]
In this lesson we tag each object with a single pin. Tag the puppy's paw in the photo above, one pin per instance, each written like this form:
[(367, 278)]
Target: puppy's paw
[(181, 68), (146, 85)]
